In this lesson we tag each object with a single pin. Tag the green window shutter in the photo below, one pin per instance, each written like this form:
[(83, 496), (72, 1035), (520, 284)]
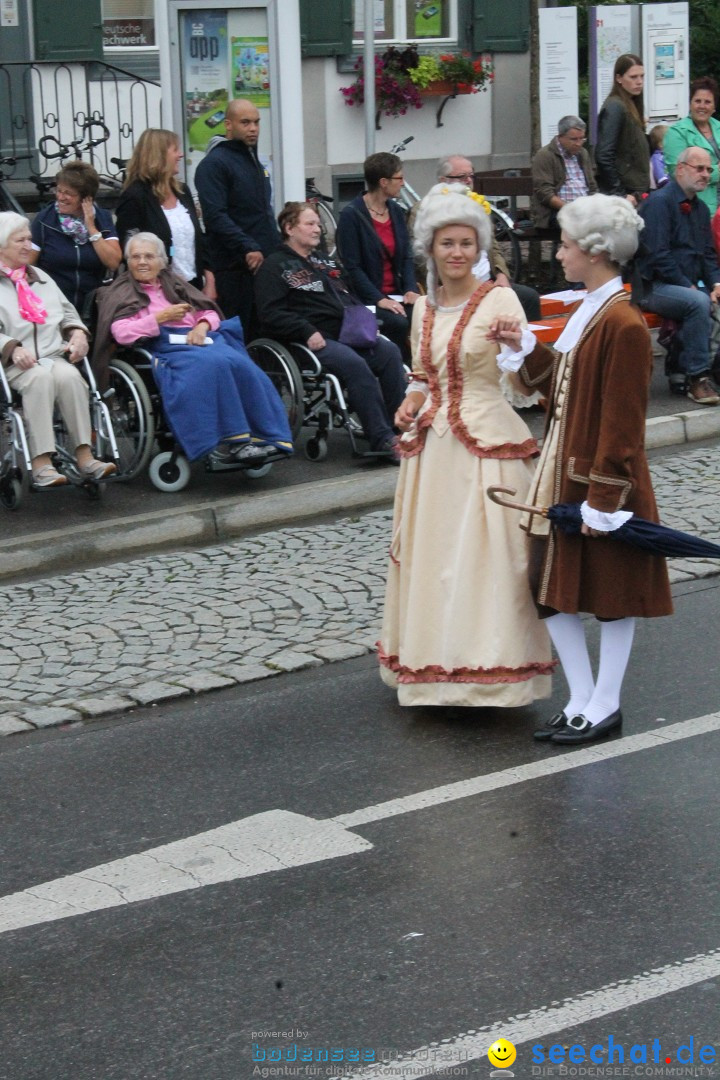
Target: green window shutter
[(326, 27), (501, 27), (68, 31)]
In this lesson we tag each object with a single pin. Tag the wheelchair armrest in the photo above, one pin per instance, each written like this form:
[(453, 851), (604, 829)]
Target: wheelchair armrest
[(307, 360)]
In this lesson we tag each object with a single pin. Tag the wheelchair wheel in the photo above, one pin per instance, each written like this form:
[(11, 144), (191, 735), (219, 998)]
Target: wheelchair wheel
[(281, 369), (132, 419), (508, 243), (316, 449), (328, 227), (11, 492), (262, 470), (169, 475)]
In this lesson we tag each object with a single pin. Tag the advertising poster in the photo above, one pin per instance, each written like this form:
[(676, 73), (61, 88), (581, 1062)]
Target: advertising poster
[(206, 68), (250, 70), (428, 19)]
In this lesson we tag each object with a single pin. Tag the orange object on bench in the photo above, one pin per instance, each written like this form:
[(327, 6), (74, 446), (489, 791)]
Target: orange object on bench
[(555, 313)]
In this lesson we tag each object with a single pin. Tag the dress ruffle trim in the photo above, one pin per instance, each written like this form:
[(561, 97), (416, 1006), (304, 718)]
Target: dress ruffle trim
[(410, 448), (434, 673)]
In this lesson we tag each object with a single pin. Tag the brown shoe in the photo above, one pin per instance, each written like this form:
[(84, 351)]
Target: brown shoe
[(702, 391)]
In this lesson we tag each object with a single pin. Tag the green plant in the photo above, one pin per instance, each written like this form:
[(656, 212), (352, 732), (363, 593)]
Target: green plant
[(425, 72)]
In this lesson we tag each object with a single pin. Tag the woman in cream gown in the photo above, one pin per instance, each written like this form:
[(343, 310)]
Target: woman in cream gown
[(460, 627)]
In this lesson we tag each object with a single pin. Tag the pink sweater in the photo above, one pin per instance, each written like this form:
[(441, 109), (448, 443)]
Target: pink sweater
[(144, 324)]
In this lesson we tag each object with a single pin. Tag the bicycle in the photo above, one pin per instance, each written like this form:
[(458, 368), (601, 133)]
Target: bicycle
[(502, 224), (77, 146), (328, 223), (7, 199)]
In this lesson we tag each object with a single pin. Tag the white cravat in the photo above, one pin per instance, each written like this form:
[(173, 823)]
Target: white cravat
[(580, 318)]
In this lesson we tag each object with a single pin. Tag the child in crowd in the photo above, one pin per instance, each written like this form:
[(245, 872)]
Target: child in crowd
[(658, 172)]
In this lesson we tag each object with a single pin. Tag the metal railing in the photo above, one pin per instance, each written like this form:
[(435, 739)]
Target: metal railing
[(58, 99)]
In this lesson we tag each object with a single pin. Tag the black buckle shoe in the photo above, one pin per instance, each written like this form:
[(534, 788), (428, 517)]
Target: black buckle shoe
[(579, 730), (551, 727)]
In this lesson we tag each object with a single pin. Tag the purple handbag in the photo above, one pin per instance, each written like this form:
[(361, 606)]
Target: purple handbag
[(359, 327)]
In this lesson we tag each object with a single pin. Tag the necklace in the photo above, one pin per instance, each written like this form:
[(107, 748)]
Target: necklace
[(377, 213)]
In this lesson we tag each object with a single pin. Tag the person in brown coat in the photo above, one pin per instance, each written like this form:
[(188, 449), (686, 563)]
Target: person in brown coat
[(597, 381)]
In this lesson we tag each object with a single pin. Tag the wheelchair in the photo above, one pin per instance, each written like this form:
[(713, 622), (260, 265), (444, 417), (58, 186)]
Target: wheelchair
[(322, 404), (15, 461), (144, 438)]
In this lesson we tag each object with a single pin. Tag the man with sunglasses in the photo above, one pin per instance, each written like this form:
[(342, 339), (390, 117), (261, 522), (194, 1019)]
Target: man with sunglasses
[(679, 267), (457, 169)]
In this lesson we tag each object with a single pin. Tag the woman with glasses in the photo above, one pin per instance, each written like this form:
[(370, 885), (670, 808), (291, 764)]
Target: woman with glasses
[(699, 128), (73, 239), (374, 246)]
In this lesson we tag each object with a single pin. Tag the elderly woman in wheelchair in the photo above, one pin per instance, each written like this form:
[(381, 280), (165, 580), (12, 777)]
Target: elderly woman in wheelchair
[(42, 339), (215, 399)]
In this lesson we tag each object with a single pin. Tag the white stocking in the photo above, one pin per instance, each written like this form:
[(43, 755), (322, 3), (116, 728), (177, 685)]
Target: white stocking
[(568, 637), (616, 640)]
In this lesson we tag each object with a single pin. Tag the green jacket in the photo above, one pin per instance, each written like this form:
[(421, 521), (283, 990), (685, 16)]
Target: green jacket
[(684, 134)]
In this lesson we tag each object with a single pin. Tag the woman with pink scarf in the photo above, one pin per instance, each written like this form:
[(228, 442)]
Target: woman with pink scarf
[(42, 338)]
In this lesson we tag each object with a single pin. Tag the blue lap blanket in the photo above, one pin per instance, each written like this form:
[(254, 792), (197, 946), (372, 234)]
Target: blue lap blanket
[(215, 393)]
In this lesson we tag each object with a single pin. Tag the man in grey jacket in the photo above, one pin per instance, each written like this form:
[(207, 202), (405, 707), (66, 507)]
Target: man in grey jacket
[(562, 171)]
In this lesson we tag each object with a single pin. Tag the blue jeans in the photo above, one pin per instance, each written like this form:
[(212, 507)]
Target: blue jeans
[(374, 380), (691, 308)]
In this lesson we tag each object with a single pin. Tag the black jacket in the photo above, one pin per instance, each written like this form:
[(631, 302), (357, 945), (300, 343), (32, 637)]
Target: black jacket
[(75, 268), (676, 245), (139, 210), (235, 195), (622, 153), (362, 253), (294, 297)]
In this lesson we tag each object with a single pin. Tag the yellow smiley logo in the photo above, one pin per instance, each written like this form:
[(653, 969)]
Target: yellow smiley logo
[(502, 1054)]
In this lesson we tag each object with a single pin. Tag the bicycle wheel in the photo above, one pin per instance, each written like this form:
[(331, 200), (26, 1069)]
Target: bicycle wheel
[(132, 418), (281, 369), (328, 226), (508, 244)]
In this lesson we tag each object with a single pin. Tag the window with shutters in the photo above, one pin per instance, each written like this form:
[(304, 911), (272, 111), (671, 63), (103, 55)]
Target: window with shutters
[(128, 24), (408, 20), (500, 27)]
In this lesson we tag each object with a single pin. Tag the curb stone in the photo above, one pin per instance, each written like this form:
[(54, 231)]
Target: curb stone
[(229, 518)]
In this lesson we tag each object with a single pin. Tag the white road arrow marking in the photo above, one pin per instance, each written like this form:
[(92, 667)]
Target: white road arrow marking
[(266, 842), (278, 839)]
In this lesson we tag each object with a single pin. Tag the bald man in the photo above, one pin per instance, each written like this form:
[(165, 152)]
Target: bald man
[(236, 199)]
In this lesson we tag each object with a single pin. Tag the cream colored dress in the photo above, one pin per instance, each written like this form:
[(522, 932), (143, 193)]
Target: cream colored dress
[(460, 626)]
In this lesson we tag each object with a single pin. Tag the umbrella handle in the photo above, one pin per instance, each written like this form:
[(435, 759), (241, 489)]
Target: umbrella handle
[(493, 493)]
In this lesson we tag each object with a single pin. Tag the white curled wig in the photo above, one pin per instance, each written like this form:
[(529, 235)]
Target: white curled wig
[(447, 204), (603, 224)]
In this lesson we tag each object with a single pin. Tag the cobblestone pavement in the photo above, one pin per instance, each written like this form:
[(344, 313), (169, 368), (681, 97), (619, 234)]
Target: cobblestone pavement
[(91, 643)]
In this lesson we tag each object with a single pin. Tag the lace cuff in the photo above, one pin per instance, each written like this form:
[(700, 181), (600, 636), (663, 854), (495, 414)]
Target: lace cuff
[(419, 385), (510, 359), (597, 519)]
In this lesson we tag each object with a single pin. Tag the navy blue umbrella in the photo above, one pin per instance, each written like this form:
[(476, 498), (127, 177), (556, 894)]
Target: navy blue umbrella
[(648, 535)]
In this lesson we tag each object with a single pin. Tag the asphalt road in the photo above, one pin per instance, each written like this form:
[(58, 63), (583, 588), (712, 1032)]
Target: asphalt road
[(563, 904)]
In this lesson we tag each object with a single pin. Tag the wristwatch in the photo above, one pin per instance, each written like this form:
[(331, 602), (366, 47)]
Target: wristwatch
[(95, 237)]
